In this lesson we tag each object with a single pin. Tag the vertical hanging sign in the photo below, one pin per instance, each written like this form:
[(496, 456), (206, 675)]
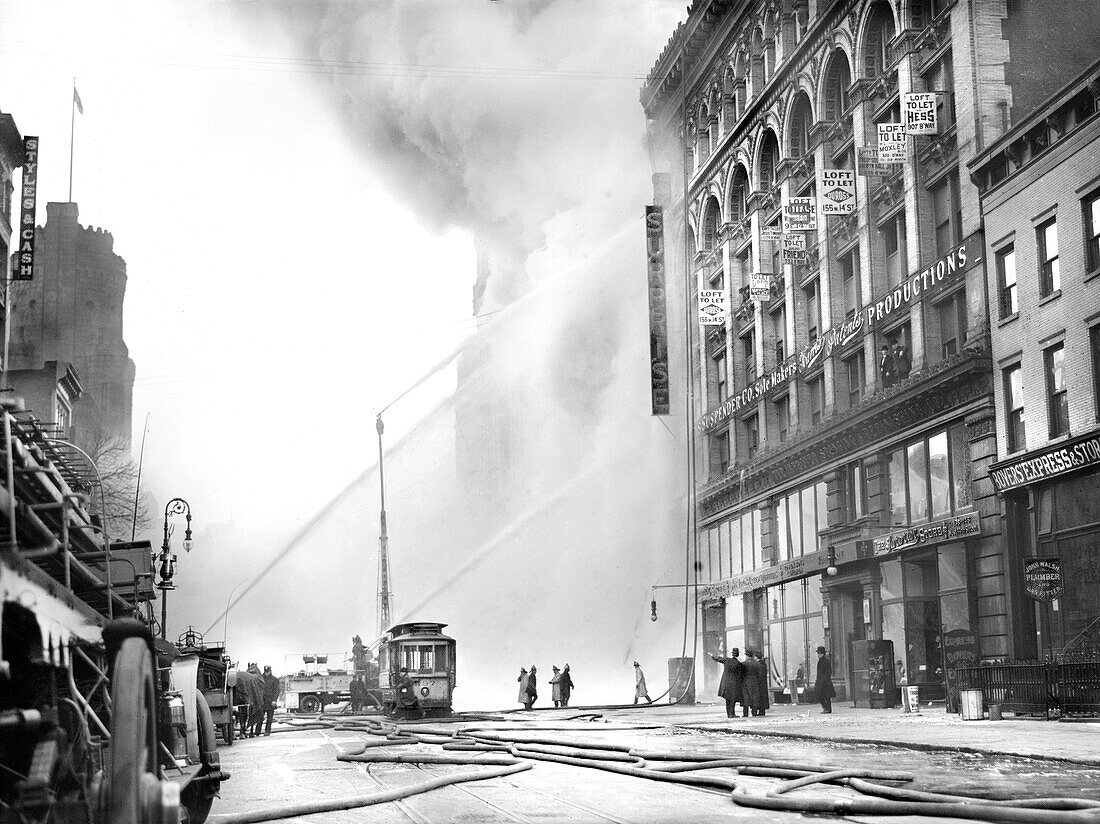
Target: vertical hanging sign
[(891, 142), (658, 327), (28, 200), (919, 113), (836, 190)]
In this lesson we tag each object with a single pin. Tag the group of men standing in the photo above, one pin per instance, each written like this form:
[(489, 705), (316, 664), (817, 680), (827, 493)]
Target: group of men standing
[(561, 686), (744, 682)]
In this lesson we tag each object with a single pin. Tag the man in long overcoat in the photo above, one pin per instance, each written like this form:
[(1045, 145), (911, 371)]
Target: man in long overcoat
[(522, 696), (755, 685), (733, 677), (823, 685)]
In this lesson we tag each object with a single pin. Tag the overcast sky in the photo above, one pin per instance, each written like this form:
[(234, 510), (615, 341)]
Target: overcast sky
[(296, 188)]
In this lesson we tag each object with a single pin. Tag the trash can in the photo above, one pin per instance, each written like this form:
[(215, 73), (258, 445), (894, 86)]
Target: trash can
[(910, 698), (970, 705)]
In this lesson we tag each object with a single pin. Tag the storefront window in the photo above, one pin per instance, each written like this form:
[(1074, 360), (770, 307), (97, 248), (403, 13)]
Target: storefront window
[(952, 566), (918, 491), (792, 598), (782, 534), (960, 465), (891, 580), (734, 528), (895, 468), (813, 597), (757, 518), (893, 629), (809, 521), (940, 475)]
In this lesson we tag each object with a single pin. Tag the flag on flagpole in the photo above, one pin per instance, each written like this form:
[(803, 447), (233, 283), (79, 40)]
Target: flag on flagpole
[(76, 100)]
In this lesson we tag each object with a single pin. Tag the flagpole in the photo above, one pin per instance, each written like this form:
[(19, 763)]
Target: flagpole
[(72, 130)]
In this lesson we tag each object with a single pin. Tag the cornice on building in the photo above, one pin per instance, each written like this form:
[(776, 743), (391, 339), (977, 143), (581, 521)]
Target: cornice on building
[(1032, 137)]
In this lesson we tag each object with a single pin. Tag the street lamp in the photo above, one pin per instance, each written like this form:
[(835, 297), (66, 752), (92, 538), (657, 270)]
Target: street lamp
[(167, 562)]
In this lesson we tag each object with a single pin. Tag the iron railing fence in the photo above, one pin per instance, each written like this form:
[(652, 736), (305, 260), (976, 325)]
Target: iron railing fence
[(1067, 687)]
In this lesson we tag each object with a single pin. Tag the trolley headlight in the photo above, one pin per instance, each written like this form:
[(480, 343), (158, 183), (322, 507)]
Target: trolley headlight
[(424, 691)]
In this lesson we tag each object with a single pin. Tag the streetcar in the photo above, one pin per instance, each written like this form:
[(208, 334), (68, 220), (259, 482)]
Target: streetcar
[(428, 655), (100, 721)]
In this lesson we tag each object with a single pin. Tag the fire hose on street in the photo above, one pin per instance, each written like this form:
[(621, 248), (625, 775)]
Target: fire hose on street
[(502, 751)]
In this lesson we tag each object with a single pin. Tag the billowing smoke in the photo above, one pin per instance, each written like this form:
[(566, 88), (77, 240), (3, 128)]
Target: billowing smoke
[(538, 505)]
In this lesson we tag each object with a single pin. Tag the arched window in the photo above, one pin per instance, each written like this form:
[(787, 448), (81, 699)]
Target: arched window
[(877, 55), (711, 216), (837, 80), (756, 64), (729, 99), (802, 119), (770, 35), (769, 157), (739, 193), (702, 137)]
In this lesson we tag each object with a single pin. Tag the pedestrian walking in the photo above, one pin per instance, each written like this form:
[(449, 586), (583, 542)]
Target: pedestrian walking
[(752, 699), (555, 687), (532, 689), (733, 677), (823, 686), (566, 685), (522, 697), (640, 690), (273, 688)]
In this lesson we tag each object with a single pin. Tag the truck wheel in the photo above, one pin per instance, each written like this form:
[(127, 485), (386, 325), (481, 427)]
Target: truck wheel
[(198, 796), (133, 788), (309, 703)]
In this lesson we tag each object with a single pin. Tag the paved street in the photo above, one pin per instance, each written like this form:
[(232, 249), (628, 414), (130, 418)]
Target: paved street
[(1013, 758)]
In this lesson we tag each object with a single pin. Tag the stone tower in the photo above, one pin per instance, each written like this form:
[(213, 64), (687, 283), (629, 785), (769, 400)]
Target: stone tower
[(72, 311)]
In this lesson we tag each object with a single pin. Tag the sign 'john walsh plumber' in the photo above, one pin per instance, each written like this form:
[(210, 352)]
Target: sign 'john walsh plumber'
[(899, 299)]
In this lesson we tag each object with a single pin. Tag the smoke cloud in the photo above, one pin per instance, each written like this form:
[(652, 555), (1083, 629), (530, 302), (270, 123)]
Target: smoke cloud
[(536, 507)]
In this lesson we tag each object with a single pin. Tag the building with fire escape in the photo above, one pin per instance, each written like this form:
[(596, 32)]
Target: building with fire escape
[(844, 404)]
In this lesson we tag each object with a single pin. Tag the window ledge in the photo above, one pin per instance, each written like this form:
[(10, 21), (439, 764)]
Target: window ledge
[(1057, 293), (1093, 274), (1007, 319)]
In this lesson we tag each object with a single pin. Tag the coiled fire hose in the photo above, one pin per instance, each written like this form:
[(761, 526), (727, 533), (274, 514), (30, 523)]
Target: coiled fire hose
[(502, 752)]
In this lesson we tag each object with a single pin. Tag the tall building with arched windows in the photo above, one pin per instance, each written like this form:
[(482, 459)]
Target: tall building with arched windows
[(844, 415)]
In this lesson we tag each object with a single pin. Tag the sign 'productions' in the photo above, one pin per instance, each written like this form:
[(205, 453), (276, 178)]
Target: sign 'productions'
[(910, 291), (658, 327), (29, 199)]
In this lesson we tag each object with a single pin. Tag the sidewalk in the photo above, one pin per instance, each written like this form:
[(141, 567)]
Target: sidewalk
[(930, 729)]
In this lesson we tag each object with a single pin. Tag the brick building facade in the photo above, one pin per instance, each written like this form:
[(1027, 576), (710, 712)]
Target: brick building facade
[(1040, 192), (845, 418)]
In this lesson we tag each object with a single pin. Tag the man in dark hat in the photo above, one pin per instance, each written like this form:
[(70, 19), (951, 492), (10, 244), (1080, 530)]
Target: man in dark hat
[(733, 676), (823, 685), (886, 365)]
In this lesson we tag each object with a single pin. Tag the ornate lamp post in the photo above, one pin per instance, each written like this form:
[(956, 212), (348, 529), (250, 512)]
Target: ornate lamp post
[(167, 561)]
